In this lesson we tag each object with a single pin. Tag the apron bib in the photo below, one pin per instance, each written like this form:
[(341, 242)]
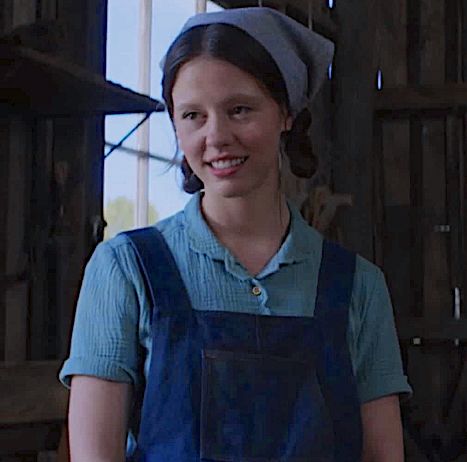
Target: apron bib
[(238, 387)]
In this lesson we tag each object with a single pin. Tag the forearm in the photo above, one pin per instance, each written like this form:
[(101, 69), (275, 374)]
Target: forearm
[(382, 430), (98, 420)]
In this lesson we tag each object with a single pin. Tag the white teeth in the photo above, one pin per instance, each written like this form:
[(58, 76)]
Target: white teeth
[(221, 164)]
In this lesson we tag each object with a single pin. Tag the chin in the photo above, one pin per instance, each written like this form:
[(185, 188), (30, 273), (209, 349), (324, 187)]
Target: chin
[(229, 191)]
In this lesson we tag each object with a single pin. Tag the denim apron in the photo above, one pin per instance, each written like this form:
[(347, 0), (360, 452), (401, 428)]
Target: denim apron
[(226, 386)]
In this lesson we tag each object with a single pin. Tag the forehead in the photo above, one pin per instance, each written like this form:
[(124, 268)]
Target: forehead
[(207, 77)]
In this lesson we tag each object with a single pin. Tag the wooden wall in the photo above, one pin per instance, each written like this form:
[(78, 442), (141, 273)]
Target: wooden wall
[(418, 234), (51, 174)]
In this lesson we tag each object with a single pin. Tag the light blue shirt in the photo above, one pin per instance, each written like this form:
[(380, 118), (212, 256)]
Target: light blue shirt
[(112, 335)]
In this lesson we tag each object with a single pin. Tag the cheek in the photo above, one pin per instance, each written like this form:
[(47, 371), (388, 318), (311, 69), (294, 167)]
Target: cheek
[(188, 142), (264, 138)]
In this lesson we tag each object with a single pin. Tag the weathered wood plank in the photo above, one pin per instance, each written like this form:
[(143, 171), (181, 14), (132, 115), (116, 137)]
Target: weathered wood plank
[(378, 193), (463, 39), (24, 12), (392, 28), (354, 73), (456, 412), (413, 41), (48, 9), (4, 197), (6, 13), (417, 234), (79, 145), (436, 294), (39, 232), (437, 300), (463, 195), (397, 213), (453, 40), (30, 392), (429, 98), (395, 177), (22, 439), (412, 452), (454, 154), (16, 320), (432, 43), (16, 297)]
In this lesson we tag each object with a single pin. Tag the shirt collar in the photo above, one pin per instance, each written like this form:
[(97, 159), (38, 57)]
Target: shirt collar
[(200, 236), (302, 241)]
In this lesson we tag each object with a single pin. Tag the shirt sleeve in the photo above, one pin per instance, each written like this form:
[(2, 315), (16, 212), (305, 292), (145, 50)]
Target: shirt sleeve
[(377, 359), (104, 340)]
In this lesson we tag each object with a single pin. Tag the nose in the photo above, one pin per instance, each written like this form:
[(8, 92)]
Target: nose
[(218, 132)]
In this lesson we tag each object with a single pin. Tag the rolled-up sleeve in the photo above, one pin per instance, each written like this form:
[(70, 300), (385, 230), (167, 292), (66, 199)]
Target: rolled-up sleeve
[(104, 340), (378, 365)]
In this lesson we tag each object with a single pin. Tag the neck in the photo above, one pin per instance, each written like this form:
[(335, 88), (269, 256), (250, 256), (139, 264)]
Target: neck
[(252, 218)]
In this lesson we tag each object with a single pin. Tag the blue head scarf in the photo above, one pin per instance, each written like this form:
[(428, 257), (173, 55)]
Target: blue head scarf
[(302, 56)]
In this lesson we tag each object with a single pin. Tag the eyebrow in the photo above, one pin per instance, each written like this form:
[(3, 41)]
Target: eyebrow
[(252, 99)]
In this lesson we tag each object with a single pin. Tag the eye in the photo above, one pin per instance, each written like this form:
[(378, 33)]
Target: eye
[(189, 115), (241, 110)]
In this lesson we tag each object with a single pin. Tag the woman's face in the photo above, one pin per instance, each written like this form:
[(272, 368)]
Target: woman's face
[(228, 127)]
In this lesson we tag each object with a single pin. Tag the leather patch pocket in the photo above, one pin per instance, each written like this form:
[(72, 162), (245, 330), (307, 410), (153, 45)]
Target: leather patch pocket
[(256, 407)]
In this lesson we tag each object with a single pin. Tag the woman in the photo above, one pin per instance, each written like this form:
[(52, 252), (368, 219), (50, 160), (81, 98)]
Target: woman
[(264, 342)]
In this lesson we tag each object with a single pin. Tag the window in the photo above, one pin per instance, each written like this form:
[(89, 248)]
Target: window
[(120, 177)]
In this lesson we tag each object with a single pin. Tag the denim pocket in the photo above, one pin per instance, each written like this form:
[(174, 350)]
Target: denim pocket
[(261, 408)]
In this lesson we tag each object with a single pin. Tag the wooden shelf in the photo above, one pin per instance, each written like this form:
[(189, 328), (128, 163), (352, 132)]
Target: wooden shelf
[(431, 331), (35, 82), (450, 97)]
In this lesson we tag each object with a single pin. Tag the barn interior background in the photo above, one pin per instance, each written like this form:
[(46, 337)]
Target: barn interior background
[(389, 126)]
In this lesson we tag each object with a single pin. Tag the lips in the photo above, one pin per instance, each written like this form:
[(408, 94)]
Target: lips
[(227, 163), (222, 168)]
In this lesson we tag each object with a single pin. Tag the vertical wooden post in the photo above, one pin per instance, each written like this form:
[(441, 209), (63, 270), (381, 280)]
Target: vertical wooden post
[(354, 83), (437, 301), (78, 148), (144, 86), (17, 210), (310, 13), (392, 161), (201, 6)]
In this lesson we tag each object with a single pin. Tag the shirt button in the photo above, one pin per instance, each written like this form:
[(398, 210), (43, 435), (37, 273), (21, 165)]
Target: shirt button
[(256, 290)]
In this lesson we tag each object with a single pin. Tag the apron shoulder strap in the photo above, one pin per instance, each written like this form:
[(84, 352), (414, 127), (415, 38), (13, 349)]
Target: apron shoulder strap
[(163, 281), (335, 281), (335, 365)]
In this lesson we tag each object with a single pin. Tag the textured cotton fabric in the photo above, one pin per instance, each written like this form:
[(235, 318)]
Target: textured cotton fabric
[(112, 333)]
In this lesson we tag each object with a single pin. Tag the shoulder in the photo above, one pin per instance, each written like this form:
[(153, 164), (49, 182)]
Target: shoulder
[(373, 339), (368, 277), (118, 251), (369, 285)]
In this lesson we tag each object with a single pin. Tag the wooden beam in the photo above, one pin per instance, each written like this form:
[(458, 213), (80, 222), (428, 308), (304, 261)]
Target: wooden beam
[(4, 193), (432, 331), (421, 98), (30, 392), (354, 77), (16, 296), (22, 439)]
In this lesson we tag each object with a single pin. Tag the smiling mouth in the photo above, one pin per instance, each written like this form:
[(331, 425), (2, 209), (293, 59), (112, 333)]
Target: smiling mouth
[(227, 163)]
